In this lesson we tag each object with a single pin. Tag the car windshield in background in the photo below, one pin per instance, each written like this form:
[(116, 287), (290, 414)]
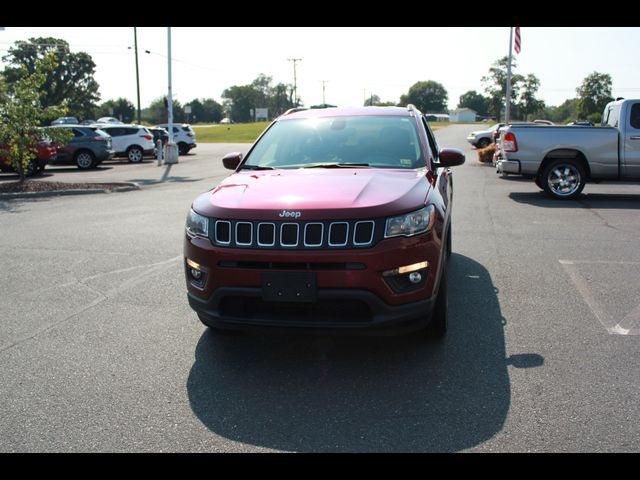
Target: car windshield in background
[(357, 141)]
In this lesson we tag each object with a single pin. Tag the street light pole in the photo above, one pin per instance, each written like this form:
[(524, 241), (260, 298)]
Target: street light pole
[(295, 80), (323, 98), (172, 148), (135, 45)]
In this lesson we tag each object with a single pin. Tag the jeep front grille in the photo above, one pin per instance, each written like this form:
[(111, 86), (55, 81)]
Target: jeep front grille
[(296, 235)]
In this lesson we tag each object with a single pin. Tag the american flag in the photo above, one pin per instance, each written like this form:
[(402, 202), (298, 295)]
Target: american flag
[(517, 40)]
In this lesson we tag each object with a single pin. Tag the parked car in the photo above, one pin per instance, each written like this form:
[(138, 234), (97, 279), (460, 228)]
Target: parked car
[(159, 133), (88, 122), (45, 153), (183, 136), (131, 141), (88, 148), (65, 121), (336, 220), (109, 120), (226, 121), (484, 138), (562, 159)]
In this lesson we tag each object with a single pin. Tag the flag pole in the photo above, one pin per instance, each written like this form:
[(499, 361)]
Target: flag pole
[(507, 109)]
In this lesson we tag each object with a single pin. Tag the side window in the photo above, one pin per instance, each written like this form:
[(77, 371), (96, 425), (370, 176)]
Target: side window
[(635, 116), (77, 133), (130, 131), (115, 132), (432, 141)]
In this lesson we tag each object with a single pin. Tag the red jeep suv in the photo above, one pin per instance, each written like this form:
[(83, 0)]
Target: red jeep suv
[(336, 220)]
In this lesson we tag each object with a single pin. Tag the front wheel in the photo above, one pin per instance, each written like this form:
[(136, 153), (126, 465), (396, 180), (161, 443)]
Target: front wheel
[(484, 143), (440, 316), (183, 148), (563, 179)]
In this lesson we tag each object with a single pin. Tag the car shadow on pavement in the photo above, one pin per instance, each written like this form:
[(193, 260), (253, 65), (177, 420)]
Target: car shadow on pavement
[(364, 394), (584, 200)]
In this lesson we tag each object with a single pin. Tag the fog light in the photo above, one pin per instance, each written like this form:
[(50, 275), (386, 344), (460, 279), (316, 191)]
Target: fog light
[(415, 277), (406, 269), (197, 274)]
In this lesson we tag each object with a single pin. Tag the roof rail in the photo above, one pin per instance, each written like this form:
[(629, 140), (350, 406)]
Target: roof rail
[(412, 108), (294, 110)]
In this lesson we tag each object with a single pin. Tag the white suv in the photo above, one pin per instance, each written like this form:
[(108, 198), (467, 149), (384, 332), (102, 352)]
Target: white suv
[(183, 135), (131, 141)]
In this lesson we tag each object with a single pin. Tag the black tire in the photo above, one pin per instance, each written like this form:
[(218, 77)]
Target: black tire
[(183, 148), (563, 179), (135, 154), (538, 181), (437, 327), (484, 143), (85, 159), (448, 244)]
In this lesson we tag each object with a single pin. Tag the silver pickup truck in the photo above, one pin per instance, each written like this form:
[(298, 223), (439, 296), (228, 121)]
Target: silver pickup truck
[(562, 159)]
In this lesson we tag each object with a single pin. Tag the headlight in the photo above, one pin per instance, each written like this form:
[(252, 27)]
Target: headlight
[(411, 223), (197, 225)]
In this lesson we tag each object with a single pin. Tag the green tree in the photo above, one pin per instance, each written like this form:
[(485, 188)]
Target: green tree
[(474, 101), (427, 96), (495, 85), (70, 80), (593, 95), (21, 115), (528, 104), (563, 113), (205, 110), (240, 100), (120, 108), (157, 111)]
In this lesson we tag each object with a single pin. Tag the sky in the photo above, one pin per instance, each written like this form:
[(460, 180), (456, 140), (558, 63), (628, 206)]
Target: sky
[(353, 62)]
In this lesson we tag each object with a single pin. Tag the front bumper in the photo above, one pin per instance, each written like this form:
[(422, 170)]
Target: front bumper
[(328, 314), (349, 299)]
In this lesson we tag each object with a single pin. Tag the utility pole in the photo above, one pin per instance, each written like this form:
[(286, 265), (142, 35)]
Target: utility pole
[(295, 80), (323, 98), (135, 46)]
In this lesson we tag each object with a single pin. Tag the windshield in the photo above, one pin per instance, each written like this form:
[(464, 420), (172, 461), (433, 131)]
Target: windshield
[(359, 141)]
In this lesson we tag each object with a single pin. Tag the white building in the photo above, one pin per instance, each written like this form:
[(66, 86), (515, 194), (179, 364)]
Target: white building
[(463, 115)]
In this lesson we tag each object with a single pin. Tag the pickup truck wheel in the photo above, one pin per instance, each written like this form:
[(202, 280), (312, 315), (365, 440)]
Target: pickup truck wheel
[(437, 327), (563, 179), (538, 181)]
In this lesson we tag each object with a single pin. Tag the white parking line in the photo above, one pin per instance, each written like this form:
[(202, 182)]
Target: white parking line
[(606, 320)]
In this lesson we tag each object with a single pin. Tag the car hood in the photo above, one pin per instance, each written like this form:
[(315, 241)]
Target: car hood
[(318, 194)]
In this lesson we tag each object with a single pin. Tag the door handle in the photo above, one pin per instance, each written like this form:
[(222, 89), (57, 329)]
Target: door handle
[(635, 137)]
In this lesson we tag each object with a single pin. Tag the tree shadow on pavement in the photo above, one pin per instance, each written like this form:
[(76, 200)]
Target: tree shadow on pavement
[(364, 394)]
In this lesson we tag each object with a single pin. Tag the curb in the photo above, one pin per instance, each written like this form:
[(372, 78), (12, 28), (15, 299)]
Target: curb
[(121, 187)]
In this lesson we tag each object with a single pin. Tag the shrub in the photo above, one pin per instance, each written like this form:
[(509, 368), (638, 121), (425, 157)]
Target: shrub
[(485, 155)]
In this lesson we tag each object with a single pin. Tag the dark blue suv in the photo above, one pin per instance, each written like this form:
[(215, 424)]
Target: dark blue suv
[(88, 148)]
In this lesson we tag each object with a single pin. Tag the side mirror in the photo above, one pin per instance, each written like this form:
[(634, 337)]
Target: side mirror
[(451, 157), (232, 160)]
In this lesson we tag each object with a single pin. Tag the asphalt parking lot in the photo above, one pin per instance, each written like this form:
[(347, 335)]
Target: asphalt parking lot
[(99, 350)]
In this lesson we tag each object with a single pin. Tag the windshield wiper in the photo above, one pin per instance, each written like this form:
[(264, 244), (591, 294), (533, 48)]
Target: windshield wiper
[(336, 165), (255, 167)]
